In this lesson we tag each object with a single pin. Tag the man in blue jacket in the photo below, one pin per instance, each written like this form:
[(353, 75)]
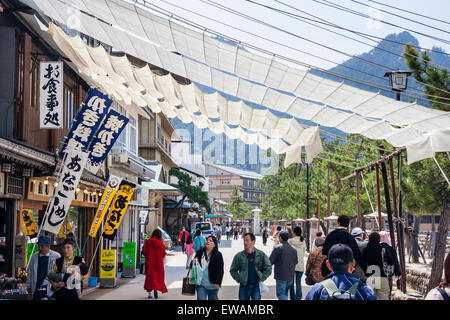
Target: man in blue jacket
[(341, 283)]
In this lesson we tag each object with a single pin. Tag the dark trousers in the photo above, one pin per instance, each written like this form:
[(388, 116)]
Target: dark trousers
[(39, 294), (182, 246)]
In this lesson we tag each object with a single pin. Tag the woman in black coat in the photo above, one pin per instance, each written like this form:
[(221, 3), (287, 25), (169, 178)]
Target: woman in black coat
[(211, 262)]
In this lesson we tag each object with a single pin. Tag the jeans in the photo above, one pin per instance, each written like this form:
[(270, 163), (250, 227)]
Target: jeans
[(283, 288), (296, 290), (249, 291), (182, 246), (203, 293), (228, 235)]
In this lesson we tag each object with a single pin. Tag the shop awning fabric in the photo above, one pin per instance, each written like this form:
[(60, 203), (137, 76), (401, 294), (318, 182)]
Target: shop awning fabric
[(132, 28)]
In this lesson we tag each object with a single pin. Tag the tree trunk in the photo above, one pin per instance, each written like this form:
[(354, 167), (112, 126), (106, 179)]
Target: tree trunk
[(441, 240), (324, 228), (415, 240)]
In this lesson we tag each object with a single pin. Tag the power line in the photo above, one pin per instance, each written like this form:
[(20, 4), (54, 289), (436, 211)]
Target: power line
[(240, 14), (354, 12), (300, 18), (204, 29), (396, 15), (417, 14), (273, 41), (412, 91), (363, 35)]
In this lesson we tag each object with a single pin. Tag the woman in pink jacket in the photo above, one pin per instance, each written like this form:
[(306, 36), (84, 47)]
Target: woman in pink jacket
[(189, 250)]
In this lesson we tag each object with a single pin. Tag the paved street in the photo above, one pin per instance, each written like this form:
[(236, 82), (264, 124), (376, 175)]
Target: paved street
[(133, 289)]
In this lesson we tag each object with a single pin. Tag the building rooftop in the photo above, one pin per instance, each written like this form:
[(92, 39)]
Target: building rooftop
[(239, 172)]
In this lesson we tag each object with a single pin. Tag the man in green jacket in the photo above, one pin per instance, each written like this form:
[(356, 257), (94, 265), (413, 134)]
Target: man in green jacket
[(249, 267)]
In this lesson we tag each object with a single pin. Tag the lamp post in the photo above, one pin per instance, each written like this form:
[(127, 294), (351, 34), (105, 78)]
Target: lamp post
[(398, 80)]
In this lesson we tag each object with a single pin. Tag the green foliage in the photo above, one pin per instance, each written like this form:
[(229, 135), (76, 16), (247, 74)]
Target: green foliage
[(285, 192), (436, 81), (238, 207), (193, 193)]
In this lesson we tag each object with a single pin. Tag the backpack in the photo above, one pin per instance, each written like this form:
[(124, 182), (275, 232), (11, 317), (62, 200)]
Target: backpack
[(334, 293)]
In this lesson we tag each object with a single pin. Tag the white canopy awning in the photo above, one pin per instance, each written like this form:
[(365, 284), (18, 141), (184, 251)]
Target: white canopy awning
[(132, 28)]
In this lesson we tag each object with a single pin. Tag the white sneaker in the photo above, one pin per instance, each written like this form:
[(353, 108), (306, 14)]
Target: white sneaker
[(150, 295)]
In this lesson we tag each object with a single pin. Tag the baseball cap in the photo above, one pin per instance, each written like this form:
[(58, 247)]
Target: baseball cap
[(340, 254), (44, 241), (357, 231)]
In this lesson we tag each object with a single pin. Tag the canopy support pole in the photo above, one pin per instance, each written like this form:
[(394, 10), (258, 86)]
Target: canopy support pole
[(387, 198), (358, 204), (380, 226)]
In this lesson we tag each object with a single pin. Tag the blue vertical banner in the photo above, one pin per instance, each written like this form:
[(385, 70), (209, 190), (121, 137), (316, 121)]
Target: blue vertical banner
[(87, 122), (106, 136)]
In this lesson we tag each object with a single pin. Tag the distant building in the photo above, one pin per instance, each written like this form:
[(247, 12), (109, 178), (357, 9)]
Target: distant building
[(223, 178)]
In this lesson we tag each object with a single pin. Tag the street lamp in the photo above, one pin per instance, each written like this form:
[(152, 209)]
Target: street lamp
[(398, 80)]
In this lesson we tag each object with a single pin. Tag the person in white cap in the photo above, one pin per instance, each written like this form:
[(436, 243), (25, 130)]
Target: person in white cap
[(359, 236)]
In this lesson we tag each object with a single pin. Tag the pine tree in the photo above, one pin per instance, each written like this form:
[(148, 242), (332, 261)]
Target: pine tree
[(426, 183)]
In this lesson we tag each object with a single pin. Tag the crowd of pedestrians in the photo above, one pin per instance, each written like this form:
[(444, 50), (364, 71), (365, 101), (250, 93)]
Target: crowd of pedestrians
[(342, 265)]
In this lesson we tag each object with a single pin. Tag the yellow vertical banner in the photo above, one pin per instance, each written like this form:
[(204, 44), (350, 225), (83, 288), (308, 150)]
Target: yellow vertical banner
[(118, 209), (65, 230), (28, 225), (107, 264), (105, 202)]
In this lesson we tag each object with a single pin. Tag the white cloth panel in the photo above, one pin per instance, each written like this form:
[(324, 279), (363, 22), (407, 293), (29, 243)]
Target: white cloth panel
[(220, 55), (419, 149), (146, 78), (236, 112), (186, 40)]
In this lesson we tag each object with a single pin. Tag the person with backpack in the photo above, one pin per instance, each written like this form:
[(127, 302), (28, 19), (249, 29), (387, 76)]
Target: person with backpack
[(341, 284), (199, 240), (341, 235), (284, 258), (385, 242), (380, 265), (442, 292)]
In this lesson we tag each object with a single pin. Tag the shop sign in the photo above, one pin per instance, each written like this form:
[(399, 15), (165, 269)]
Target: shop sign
[(28, 225), (141, 197), (107, 135), (65, 191), (51, 95), (108, 264), (118, 209), (86, 122), (107, 197), (129, 254)]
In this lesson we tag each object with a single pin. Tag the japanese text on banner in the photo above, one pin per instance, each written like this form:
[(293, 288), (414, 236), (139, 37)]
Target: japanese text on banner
[(51, 95), (28, 225), (105, 202), (107, 135), (67, 184), (118, 209), (87, 122)]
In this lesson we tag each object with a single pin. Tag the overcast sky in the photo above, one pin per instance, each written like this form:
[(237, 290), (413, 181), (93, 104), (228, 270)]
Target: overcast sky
[(438, 9)]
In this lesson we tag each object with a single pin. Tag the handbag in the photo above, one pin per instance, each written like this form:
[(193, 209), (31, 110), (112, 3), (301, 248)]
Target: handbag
[(387, 268), (187, 288), (263, 288)]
